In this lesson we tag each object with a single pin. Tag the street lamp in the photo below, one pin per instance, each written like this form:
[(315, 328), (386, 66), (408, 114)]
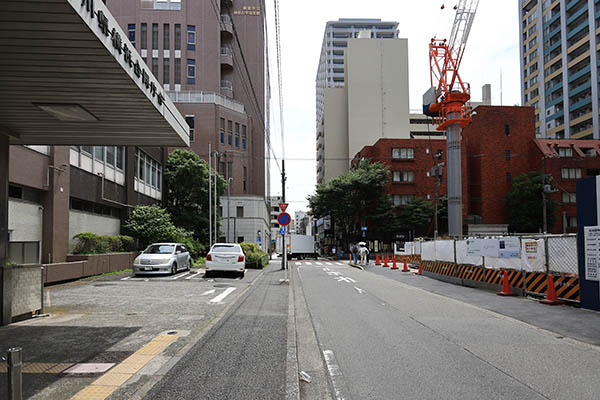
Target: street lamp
[(228, 208)]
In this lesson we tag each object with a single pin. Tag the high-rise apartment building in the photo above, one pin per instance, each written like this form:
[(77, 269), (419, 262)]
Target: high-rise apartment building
[(209, 56), (559, 66), (331, 63)]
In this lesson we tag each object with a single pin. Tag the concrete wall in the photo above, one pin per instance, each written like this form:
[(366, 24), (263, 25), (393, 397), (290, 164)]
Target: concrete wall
[(25, 221), (336, 133), (256, 218), (377, 82), (85, 222), (26, 289)]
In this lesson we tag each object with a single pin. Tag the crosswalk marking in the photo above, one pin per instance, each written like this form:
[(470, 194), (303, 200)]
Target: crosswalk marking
[(307, 263)]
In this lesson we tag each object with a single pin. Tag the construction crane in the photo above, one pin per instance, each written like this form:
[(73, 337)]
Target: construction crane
[(447, 102)]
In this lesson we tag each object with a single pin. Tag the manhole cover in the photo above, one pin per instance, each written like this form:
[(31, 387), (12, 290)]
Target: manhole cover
[(104, 284), (222, 285), (88, 368)]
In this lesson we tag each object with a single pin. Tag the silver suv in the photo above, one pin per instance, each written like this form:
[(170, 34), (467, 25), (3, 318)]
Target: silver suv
[(161, 258)]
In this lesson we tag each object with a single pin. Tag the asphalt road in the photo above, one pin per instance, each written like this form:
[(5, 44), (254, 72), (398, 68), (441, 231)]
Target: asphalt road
[(384, 339), (243, 356)]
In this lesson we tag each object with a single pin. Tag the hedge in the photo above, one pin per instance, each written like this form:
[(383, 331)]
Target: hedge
[(90, 243), (255, 258)]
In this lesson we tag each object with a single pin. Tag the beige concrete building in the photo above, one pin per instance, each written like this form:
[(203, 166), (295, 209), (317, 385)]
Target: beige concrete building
[(373, 104)]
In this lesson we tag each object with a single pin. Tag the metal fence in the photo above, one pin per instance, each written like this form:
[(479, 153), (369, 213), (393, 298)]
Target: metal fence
[(539, 253)]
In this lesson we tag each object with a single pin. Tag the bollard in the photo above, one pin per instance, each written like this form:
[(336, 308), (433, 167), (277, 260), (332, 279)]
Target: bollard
[(15, 380)]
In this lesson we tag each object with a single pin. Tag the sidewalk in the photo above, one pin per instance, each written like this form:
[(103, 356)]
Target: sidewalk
[(566, 321)]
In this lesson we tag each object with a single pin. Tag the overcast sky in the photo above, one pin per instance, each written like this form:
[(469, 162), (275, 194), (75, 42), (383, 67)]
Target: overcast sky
[(493, 47)]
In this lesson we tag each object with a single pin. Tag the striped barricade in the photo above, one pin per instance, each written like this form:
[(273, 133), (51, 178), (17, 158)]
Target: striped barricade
[(567, 287), (470, 272), (494, 277), (536, 283)]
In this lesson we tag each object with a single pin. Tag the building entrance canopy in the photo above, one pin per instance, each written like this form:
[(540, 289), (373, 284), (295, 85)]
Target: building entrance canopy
[(70, 76)]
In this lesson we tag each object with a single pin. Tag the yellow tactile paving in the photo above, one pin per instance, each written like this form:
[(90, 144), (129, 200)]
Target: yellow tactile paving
[(58, 368), (95, 392), (112, 379), (103, 387)]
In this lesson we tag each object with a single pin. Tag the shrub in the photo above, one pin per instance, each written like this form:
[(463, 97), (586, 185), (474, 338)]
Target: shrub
[(255, 258), (127, 243), (90, 243), (152, 224)]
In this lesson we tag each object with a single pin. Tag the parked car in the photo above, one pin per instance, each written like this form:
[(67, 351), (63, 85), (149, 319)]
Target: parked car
[(161, 258), (226, 257)]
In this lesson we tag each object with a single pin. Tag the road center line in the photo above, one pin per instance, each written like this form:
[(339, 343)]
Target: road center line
[(222, 296)]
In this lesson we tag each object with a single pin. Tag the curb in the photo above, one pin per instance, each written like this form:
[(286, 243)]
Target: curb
[(292, 383), (357, 266)]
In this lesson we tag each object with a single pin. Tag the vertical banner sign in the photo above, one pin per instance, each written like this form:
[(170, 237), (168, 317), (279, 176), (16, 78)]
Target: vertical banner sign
[(592, 252)]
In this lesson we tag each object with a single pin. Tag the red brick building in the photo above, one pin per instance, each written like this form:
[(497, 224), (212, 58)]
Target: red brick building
[(499, 145)]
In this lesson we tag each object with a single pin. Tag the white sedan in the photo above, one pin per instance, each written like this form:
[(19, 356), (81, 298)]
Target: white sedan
[(226, 257)]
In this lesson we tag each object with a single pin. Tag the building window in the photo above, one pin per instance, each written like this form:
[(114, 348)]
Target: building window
[(237, 141), (154, 36), (148, 175), (565, 151), (229, 169), (166, 36), (131, 33), (222, 167), (107, 160), (144, 36), (222, 132), (571, 222), (244, 137), (508, 177), (404, 176), (569, 198), (174, 5), (402, 199), (507, 156), (191, 71), (191, 123), (507, 130), (166, 71), (244, 178), (99, 153), (120, 157), (177, 67), (191, 37), (570, 173), (229, 132), (239, 212), (155, 67), (405, 154), (177, 36)]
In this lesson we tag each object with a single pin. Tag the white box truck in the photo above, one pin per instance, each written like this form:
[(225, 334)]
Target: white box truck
[(298, 246)]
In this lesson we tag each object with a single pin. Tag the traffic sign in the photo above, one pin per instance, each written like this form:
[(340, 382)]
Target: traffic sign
[(283, 230), (283, 206), (284, 219)]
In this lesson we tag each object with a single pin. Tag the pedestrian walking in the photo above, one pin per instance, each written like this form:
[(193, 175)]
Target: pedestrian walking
[(363, 251), (354, 251)]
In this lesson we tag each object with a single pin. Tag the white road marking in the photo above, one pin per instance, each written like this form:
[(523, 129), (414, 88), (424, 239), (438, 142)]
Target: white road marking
[(339, 263), (126, 278), (318, 263), (359, 290), (179, 276), (208, 292), (345, 279), (222, 296), (192, 276), (334, 373), (328, 263), (333, 273), (326, 269), (307, 263)]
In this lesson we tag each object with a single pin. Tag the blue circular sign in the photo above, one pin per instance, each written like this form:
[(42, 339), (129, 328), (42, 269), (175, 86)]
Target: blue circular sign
[(284, 219)]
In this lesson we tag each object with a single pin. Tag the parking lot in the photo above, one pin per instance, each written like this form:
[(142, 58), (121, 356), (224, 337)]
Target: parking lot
[(107, 319)]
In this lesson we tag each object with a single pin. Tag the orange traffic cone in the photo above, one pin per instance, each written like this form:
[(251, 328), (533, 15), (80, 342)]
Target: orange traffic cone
[(394, 266), (505, 286), (385, 262), (405, 267), (377, 260), (551, 297), (418, 273)]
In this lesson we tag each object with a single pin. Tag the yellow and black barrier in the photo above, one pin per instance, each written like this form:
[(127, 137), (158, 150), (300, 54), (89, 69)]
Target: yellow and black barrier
[(470, 272)]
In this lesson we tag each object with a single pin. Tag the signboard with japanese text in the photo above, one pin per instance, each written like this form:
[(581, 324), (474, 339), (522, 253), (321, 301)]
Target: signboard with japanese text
[(592, 252), (509, 247)]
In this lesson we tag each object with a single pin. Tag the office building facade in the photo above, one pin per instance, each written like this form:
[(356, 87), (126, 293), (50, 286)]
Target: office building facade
[(559, 66), (209, 56)]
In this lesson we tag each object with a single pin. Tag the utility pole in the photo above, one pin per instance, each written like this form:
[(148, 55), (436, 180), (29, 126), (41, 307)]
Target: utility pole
[(209, 197), (544, 210), (284, 265), (216, 157), (229, 180)]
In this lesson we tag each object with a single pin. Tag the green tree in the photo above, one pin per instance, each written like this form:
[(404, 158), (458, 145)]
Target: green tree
[(416, 215), (524, 209), (186, 177), (356, 199), (151, 224)]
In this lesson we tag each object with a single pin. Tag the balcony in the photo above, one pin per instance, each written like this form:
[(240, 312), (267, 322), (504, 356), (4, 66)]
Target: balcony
[(206, 98), (227, 88), (226, 57), (226, 25)]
